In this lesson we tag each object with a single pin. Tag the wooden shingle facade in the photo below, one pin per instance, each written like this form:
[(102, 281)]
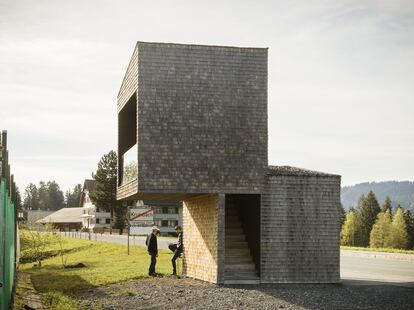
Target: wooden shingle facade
[(197, 117)]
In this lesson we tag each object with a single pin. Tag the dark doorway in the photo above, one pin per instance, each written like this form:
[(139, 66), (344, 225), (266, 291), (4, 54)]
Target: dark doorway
[(247, 206)]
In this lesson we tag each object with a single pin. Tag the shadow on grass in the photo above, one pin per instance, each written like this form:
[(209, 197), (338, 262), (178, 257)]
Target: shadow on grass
[(48, 281), (52, 253)]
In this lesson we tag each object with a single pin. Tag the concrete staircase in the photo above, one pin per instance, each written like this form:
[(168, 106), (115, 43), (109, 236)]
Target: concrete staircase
[(239, 265)]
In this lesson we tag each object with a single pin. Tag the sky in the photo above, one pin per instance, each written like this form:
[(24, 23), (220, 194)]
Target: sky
[(341, 79)]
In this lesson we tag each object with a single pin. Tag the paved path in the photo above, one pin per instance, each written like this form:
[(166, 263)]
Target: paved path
[(356, 267), (121, 239)]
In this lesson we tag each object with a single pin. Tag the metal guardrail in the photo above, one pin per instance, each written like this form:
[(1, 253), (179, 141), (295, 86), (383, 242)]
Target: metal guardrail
[(8, 228)]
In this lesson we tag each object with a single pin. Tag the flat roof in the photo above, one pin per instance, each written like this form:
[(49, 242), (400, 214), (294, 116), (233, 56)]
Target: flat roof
[(201, 45), (295, 171)]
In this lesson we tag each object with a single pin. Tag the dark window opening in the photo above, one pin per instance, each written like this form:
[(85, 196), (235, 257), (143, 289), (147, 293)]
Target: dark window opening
[(127, 140)]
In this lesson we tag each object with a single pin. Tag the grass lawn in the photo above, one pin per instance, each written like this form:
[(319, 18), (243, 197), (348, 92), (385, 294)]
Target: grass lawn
[(377, 250), (106, 263)]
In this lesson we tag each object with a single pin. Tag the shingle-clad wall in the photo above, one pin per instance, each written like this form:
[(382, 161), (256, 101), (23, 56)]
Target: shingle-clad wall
[(126, 190), (202, 118), (300, 230), (130, 83), (203, 237)]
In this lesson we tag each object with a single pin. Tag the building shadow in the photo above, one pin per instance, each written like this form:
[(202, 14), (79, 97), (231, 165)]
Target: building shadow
[(47, 281), (348, 294)]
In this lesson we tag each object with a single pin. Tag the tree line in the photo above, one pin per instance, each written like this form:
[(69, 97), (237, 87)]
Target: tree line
[(49, 196), (371, 225)]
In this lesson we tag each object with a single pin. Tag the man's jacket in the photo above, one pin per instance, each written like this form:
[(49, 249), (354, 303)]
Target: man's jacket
[(151, 243), (180, 242)]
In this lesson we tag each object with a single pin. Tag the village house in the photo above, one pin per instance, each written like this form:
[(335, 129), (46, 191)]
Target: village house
[(92, 217), (64, 219)]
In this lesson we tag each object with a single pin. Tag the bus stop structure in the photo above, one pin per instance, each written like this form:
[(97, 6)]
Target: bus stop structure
[(196, 118)]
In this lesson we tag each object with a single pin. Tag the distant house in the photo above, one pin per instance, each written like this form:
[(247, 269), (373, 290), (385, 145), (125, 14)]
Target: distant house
[(92, 217), (30, 218), (64, 219), (167, 214)]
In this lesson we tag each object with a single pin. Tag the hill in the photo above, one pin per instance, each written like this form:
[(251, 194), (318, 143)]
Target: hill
[(399, 192)]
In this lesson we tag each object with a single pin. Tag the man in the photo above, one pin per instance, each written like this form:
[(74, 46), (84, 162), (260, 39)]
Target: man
[(152, 247), (176, 248)]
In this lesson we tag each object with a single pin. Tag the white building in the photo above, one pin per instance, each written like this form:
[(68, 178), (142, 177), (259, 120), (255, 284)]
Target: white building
[(167, 214), (92, 217)]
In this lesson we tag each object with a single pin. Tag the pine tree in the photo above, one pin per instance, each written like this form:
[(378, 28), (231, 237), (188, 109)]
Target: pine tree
[(76, 195), (31, 197), (398, 237), (18, 200), (104, 194), (409, 222), (43, 192), (381, 230), (342, 214), (72, 198), (367, 211), (120, 213), (349, 229), (387, 205), (54, 196)]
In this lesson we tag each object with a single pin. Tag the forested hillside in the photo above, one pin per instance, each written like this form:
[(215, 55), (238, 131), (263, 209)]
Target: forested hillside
[(400, 193)]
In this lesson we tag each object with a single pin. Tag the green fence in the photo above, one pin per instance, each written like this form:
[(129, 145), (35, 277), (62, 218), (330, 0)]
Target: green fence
[(8, 229)]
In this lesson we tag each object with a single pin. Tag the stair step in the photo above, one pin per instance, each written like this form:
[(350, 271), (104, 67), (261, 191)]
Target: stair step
[(230, 261), (241, 275), (240, 267), (234, 231), (236, 244), (237, 252), (242, 281), (231, 238)]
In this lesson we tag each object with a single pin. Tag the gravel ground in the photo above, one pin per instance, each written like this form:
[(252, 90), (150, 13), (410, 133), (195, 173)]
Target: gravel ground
[(172, 293)]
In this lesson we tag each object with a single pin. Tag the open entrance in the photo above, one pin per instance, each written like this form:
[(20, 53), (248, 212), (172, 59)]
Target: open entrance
[(242, 233)]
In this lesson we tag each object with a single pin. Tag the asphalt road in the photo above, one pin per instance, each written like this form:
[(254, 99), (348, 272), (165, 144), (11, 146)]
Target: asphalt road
[(357, 269), (376, 270)]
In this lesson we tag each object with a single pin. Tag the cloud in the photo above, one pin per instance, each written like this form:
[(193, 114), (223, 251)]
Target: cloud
[(340, 78)]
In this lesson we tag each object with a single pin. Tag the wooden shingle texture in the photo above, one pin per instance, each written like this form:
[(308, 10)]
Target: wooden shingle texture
[(300, 226), (201, 117), (203, 224)]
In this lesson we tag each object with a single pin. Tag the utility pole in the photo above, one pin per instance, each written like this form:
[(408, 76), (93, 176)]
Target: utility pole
[(128, 217)]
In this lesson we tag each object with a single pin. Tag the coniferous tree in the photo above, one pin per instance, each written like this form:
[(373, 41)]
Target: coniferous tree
[(398, 237), (342, 214), (43, 192), (76, 195), (104, 194), (381, 230), (409, 222), (349, 229), (72, 198), (367, 211), (55, 196), (18, 200), (31, 197), (387, 205)]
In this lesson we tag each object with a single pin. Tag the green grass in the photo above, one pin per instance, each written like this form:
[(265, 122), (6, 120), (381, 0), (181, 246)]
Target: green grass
[(106, 263), (377, 250)]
